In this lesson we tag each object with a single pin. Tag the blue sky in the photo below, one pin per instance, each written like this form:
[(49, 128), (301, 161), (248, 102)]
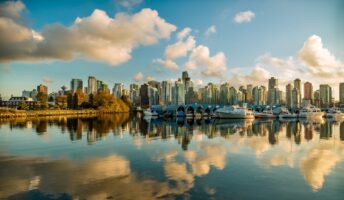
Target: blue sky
[(269, 44)]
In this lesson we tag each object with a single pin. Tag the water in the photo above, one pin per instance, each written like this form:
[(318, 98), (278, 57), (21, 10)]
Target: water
[(122, 157)]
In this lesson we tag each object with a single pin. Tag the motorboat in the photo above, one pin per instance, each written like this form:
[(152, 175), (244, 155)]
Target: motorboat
[(267, 113), (150, 112), (311, 112), (285, 114), (335, 113), (234, 112)]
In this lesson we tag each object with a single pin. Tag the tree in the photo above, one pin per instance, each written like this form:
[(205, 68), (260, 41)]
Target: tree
[(70, 101), (75, 101), (61, 101), (91, 100), (23, 106), (43, 99)]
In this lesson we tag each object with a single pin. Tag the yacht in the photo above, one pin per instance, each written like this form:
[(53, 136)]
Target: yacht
[(311, 112), (285, 114), (335, 113), (267, 113), (150, 112), (234, 112)]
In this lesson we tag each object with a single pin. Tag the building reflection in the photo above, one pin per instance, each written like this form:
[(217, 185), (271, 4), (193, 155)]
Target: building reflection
[(98, 128)]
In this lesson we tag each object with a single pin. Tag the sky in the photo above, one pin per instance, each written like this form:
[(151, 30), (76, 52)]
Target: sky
[(131, 41)]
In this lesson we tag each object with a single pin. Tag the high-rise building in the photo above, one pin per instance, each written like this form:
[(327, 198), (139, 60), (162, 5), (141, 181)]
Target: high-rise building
[(224, 93), (341, 93), (325, 95), (308, 91), (288, 95), (178, 93), (76, 84), (117, 90), (43, 89), (165, 94), (153, 95), (297, 85), (249, 93), (259, 95), (233, 96), (296, 98), (273, 97), (134, 93), (144, 95), (92, 85), (316, 100)]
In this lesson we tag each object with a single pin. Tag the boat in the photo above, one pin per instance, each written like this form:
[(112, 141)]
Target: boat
[(150, 112), (334, 113), (311, 112), (234, 112), (285, 114), (267, 113)]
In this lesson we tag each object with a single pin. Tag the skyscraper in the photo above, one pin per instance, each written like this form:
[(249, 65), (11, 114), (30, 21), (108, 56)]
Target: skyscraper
[(134, 93), (144, 95), (224, 93), (296, 98), (297, 84), (288, 95), (273, 91), (117, 90), (249, 93), (178, 93), (76, 84), (165, 95), (92, 85), (341, 93), (325, 96), (308, 91)]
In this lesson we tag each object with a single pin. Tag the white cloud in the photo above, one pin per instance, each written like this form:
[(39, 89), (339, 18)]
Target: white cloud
[(149, 78), (184, 33), (258, 76), (97, 37), (318, 59), (138, 77), (180, 48), (128, 3), (11, 9), (169, 64), (210, 30), (242, 17), (213, 66)]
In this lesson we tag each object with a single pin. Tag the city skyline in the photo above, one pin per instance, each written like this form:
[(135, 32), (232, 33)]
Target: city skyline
[(220, 49), (183, 92)]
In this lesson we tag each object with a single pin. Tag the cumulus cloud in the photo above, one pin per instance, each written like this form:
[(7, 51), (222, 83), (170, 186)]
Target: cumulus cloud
[(210, 30), (138, 77), (96, 37), (213, 66), (128, 3), (245, 16), (169, 64), (184, 33), (149, 78), (258, 76), (317, 58), (180, 48)]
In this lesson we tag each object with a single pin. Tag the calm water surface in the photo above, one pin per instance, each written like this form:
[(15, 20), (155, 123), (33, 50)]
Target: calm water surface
[(122, 157)]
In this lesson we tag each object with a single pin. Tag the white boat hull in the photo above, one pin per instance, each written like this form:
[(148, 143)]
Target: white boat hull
[(311, 115), (288, 116), (223, 115), (148, 113)]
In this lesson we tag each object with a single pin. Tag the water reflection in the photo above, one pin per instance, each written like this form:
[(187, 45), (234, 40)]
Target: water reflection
[(313, 148)]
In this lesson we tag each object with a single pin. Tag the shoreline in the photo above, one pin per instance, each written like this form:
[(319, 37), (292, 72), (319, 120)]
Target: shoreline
[(43, 113)]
